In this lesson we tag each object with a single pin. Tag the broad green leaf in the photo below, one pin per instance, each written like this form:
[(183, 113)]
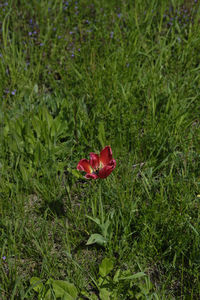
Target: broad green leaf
[(96, 238), (37, 284), (106, 266), (104, 294), (64, 289)]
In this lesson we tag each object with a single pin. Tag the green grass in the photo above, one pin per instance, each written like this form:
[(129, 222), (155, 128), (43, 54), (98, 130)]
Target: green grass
[(76, 77)]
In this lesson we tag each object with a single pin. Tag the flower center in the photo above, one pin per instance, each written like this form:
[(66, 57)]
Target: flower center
[(96, 171)]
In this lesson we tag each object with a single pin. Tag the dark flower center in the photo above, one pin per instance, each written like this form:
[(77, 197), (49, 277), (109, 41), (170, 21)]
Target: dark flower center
[(95, 171)]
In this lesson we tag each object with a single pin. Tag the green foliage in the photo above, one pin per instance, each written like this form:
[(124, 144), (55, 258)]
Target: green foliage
[(109, 287), (121, 283), (77, 76), (101, 239), (59, 289)]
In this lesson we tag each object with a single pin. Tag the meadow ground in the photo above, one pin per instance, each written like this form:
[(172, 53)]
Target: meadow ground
[(77, 76)]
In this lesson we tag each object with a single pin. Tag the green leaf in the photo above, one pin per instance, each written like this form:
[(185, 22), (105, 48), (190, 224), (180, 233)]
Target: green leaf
[(37, 284), (89, 296), (96, 238), (75, 173), (134, 276), (24, 172), (6, 129), (36, 122), (106, 266), (104, 294), (64, 289), (104, 227), (96, 220), (35, 88), (116, 276), (48, 295), (101, 134), (47, 116)]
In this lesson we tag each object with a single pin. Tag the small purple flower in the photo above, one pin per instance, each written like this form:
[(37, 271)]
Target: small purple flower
[(1, 55), (13, 92), (41, 44), (4, 258), (30, 33), (111, 34), (119, 15), (72, 55)]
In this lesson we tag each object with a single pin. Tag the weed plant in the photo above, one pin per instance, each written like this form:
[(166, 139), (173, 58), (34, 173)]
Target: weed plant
[(77, 76)]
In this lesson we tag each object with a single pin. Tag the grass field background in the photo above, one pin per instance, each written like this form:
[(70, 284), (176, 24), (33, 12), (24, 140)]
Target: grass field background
[(77, 76)]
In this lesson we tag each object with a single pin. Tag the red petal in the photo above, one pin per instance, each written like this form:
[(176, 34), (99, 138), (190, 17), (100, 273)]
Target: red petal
[(84, 165), (106, 155), (91, 176), (94, 160), (105, 171)]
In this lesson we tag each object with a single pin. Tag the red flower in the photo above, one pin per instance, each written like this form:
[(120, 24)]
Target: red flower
[(98, 166)]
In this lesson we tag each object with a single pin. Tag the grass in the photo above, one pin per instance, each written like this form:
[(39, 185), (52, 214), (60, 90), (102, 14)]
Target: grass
[(75, 77)]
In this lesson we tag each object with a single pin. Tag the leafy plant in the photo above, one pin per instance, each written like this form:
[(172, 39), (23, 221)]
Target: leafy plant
[(119, 284), (54, 289), (104, 226)]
